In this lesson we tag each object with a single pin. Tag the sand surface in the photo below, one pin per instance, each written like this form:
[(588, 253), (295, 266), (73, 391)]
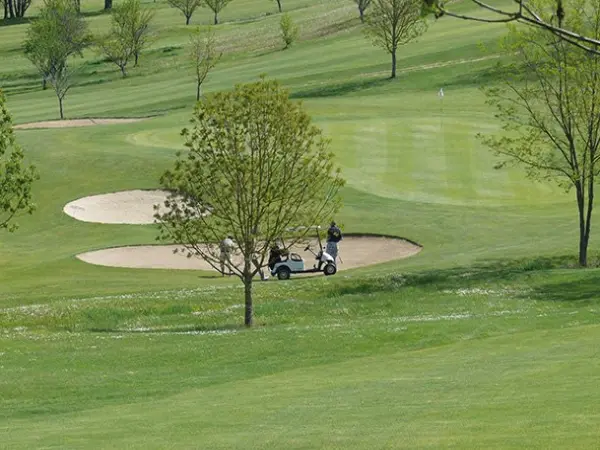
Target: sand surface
[(126, 207), (75, 123), (354, 252)]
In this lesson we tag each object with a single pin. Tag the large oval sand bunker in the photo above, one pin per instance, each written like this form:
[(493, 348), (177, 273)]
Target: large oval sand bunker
[(126, 207), (354, 252)]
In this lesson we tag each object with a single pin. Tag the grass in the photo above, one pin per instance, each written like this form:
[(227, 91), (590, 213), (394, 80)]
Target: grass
[(483, 339)]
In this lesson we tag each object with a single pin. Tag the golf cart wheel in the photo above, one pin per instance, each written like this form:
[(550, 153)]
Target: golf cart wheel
[(284, 273), (329, 269)]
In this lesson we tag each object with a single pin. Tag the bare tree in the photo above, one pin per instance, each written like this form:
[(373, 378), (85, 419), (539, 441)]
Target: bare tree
[(255, 167), (393, 23), (187, 7), (216, 6), (362, 6), (550, 110), (203, 52), (527, 12)]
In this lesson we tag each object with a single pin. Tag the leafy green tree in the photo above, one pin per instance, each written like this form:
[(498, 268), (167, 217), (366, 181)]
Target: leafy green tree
[(130, 25), (289, 30), (216, 6), (187, 7), (549, 105), (16, 178), (204, 55), (254, 167), (393, 23), (57, 35)]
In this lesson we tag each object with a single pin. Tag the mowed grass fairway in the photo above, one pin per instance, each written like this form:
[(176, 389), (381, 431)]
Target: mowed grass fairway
[(485, 339)]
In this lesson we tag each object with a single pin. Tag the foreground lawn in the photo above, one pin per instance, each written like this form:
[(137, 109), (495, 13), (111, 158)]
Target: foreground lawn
[(469, 358)]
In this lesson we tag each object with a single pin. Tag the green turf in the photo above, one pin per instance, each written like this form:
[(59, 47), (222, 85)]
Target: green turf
[(484, 339)]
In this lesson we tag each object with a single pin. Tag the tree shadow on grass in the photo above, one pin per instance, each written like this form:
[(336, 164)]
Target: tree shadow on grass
[(483, 272), (15, 21), (339, 89), (192, 329), (581, 291)]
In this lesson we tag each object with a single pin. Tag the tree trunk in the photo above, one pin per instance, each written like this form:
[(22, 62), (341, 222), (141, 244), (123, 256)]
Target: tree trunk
[(60, 107), (197, 91), (393, 64), (248, 311), (216, 19), (279, 5), (583, 224), (44, 83), (11, 10), (361, 11), (187, 19), (123, 71), (107, 4), (136, 56), (5, 3)]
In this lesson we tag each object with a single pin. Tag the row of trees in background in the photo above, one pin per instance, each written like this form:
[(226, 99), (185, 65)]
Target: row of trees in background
[(60, 34), (188, 7), (15, 9)]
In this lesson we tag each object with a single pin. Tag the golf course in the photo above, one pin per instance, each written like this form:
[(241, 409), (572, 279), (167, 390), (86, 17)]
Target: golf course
[(458, 316)]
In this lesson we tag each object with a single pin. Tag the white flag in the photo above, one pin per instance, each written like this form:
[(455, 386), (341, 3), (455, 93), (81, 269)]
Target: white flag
[(441, 93)]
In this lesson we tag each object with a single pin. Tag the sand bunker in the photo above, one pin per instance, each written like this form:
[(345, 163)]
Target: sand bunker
[(126, 207), (75, 123), (354, 251)]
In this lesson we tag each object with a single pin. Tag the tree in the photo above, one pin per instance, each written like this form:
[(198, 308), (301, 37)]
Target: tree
[(289, 31), (16, 179), (15, 9), (116, 50), (549, 105), (203, 52), (279, 5), (527, 12), (393, 23), (255, 167), (187, 7), (216, 6), (108, 5), (362, 6), (58, 34), (129, 34)]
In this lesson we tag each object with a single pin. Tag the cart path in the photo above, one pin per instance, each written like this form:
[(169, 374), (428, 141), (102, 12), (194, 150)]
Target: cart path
[(355, 251)]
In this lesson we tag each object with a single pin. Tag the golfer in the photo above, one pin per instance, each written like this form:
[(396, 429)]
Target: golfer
[(334, 235), (227, 245)]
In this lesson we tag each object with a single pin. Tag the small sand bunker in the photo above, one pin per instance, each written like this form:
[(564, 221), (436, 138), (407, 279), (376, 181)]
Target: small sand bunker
[(76, 123), (354, 251), (127, 207)]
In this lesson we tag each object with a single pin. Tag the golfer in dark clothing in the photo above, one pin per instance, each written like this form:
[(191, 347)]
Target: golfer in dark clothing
[(334, 235)]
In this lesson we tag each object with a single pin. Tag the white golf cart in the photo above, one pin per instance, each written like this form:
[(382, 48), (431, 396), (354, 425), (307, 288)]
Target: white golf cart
[(294, 263)]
